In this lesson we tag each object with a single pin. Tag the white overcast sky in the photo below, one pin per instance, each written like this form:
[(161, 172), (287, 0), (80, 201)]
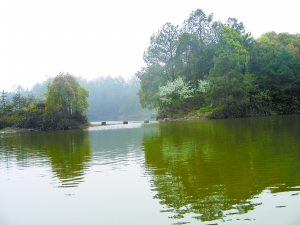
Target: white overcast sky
[(92, 38)]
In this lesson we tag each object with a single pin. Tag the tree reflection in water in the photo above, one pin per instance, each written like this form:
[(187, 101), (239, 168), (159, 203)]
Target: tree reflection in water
[(68, 152), (209, 167)]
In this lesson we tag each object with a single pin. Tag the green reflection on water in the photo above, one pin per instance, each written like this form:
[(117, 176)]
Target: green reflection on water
[(200, 168), (207, 167), (68, 152)]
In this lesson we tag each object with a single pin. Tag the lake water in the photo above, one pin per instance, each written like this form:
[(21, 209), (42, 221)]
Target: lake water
[(233, 171)]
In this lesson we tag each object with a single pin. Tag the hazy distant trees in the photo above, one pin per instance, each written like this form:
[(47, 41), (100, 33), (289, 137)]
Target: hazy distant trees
[(114, 99), (3, 100)]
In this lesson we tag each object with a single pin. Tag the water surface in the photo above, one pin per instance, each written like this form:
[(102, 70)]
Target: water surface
[(237, 171)]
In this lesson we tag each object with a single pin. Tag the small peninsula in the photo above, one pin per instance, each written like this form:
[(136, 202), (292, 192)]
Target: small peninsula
[(63, 108)]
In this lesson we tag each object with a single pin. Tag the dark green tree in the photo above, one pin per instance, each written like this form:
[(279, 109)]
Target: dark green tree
[(151, 79), (162, 49), (199, 25), (276, 65), (229, 89)]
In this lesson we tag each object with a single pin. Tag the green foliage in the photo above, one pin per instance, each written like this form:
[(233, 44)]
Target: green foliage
[(9, 107), (8, 119), (151, 79), (201, 27), (3, 100), (110, 98), (203, 85), (229, 94), (66, 101), (66, 95), (174, 96), (276, 64), (162, 49), (175, 92), (229, 88), (233, 74), (35, 118)]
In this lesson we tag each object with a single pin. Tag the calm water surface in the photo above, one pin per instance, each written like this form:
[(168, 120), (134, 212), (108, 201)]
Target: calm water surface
[(234, 171)]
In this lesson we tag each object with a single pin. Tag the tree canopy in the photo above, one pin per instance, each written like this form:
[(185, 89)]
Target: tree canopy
[(65, 94), (243, 76), (63, 108)]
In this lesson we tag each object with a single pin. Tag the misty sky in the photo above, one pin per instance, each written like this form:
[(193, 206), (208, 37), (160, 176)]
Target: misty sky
[(92, 38)]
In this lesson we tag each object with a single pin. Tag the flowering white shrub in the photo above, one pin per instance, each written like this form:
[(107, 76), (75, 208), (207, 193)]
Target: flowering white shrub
[(203, 85), (174, 92)]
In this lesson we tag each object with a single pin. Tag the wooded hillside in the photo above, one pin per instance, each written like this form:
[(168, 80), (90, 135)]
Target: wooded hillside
[(216, 69)]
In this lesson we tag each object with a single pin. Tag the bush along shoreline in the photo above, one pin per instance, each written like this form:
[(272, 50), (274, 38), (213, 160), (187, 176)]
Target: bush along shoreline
[(40, 121)]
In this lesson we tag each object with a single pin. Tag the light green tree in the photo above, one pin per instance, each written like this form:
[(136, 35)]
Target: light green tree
[(66, 95)]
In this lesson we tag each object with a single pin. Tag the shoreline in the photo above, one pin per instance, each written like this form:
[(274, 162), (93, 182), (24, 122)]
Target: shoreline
[(12, 130)]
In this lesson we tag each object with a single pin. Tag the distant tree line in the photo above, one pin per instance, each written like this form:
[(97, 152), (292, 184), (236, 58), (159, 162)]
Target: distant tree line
[(208, 67)]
